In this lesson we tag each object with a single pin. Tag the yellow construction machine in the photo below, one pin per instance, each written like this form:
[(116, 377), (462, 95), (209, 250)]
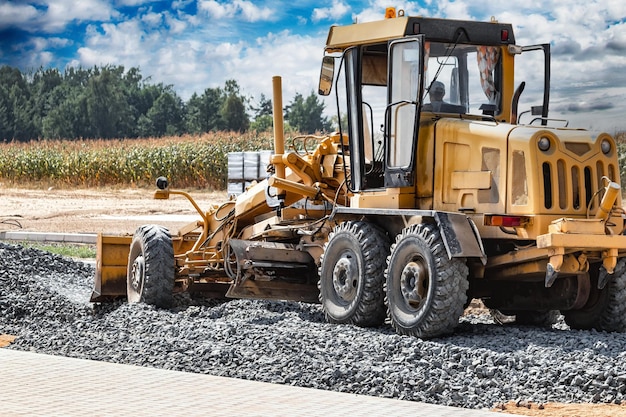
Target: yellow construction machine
[(431, 193)]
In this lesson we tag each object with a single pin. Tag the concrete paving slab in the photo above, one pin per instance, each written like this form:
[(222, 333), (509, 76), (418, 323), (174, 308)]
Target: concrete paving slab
[(87, 238), (33, 384)]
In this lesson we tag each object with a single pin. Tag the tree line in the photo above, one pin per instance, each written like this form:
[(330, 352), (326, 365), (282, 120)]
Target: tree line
[(110, 102)]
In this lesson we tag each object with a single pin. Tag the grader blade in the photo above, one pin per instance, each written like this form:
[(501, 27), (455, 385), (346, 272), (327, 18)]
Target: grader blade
[(111, 264), (274, 290), (271, 270)]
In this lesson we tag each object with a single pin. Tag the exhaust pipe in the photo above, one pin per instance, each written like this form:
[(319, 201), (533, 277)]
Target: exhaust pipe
[(279, 132)]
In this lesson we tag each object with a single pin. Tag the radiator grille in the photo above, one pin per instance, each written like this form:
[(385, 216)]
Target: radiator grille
[(574, 187)]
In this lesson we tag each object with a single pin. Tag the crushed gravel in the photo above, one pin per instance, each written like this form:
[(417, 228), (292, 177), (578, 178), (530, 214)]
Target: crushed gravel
[(44, 300)]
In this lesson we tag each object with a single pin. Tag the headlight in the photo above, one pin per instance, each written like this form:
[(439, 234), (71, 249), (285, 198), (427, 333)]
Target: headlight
[(544, 144), (606, 147)]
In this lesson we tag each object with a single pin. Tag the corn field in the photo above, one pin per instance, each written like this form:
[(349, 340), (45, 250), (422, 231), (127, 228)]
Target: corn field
[(187, 161)]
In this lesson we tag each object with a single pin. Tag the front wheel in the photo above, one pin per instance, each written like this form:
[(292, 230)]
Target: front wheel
[(606, 308), (426, 291), (352, 273), (150, 273)]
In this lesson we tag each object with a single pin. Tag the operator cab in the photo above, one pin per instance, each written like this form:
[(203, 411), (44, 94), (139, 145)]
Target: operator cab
[(389, 74)]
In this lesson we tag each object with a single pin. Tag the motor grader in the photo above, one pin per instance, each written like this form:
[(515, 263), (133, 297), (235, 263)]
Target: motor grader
[(411, 208)]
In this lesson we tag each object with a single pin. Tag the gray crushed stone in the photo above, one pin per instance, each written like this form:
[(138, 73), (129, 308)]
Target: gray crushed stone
[(44, 300)]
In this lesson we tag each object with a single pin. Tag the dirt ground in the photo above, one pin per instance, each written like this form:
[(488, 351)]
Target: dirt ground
[(121, 211), (96, 210), (562, 410)]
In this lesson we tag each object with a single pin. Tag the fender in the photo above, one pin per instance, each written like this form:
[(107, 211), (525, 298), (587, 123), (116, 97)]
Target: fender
[(460, 236), (459, 233)]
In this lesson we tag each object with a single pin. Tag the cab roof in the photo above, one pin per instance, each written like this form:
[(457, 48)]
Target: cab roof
[(436, 30)]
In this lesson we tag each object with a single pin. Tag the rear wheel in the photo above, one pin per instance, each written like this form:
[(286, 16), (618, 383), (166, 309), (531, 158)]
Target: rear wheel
[(606, 308), (150, 273), (425, 290), (352, 273)]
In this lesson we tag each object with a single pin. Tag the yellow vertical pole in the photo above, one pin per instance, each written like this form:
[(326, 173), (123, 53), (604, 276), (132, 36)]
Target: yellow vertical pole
[(279, 133)]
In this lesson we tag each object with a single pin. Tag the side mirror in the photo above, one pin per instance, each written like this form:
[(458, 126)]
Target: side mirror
[(327, 74)]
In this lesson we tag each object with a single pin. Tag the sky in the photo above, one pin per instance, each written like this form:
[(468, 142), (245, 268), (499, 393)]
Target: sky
[(198, 44)]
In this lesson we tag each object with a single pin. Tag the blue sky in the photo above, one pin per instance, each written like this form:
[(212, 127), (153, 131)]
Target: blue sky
[(196, 44)]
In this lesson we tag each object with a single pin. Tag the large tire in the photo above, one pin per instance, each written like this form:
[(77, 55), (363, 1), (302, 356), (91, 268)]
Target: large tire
[(351, 275), (426, 291), (150, 273), (606, 308)]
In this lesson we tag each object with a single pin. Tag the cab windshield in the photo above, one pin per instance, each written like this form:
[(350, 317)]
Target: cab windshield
[(466, 78), (469, 75)]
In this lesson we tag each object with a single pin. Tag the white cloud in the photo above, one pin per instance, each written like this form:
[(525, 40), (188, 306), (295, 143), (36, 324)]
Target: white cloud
[(454, 10), (368, 15), (16, 15), (196, 51), (152, 19), (39, 51), (299, 57), (616, 37), (336, 11), (89, 57), (224, 50), (217, 10), (192, 61), (134, 2), (248, 10), (61, 12), (45, 58), (252, 13), (176, 26), (41, 44), (181, 4), (53, 16), (124, 43)]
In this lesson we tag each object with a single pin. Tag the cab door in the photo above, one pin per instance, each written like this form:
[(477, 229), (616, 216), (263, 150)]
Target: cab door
[(405, 88)]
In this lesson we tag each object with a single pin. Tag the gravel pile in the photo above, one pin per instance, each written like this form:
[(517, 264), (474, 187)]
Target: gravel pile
[(44, 301)]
